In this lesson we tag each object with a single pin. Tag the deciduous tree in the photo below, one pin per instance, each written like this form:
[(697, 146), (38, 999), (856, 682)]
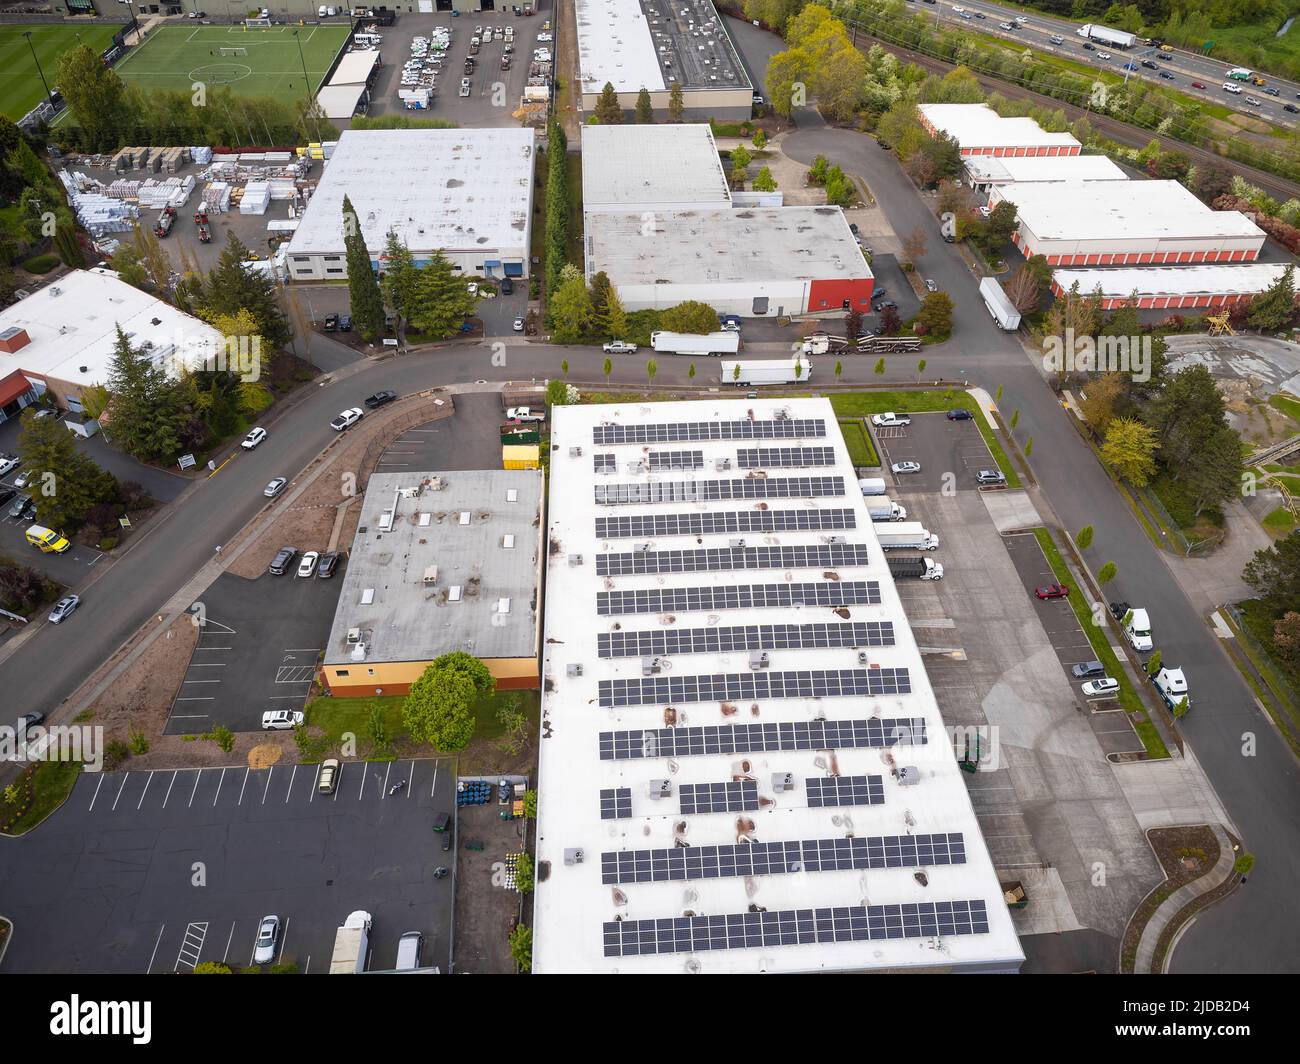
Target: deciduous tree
[(1130, 450)]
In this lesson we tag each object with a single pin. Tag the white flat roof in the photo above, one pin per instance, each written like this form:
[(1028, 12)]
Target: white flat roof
[(652, 168), (1107, 210), (976, 125), (1007, 168), (355, 67), (339, 102), (728, 245), (615, 46), (1245, 279), (72, 324), (653, 611), (453, 189)]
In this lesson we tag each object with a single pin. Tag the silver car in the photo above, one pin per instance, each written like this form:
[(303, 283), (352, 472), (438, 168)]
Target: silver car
[(275, 487), (268, 935), (63, 608), (906, 467)]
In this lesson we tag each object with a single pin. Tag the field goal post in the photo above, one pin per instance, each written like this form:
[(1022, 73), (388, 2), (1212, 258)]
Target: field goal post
[(233, 50), (257, 23)]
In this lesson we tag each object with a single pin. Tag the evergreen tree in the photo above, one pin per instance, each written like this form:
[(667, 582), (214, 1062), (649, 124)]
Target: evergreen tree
[(765, 182), (400, 283), (599, 292), (645, 112), (612, 315), (233, 287), (363, 287), (441, 299), (676, 103), (570, 309), (1274, 308), (145, 410), (608, 112), (67, 481)]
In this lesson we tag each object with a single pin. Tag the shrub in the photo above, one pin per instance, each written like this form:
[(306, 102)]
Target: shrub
[(138, 741), (107, 543), (41, 263), (115, 753)]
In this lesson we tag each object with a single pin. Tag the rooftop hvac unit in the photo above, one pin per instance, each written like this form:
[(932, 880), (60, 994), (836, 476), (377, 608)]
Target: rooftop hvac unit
[(722, 463), (575, 559), (512, 494), (836, 539), (634, 467), (650, 666), (574, 669), (386, 521), (782, 781), (759, 660), (573, 855), (575, 452), (454, 593), (359, 652), (508, 541), (862, 657), (435, 484), (660, 789), (354, 636), (430, 575), (909, 776), (736, 543)]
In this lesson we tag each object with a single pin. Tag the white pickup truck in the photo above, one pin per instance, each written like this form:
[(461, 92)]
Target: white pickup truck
[(619, 347), (525, 413)]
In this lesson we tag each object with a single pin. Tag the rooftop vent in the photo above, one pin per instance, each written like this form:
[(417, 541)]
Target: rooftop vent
[(454, 593), (759, 660), (464, 517), (359, 652), (657, 789), (575, 669), (430, 575), (575, 452), (512, 494), (508, 541), (386, 521), (573, 855), (575, 559), (503, 605), (909, 776), (782, 781), (354, 636), (651, 666)]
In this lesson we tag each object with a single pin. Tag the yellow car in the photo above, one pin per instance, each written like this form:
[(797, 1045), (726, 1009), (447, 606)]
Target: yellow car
[(49, 541)]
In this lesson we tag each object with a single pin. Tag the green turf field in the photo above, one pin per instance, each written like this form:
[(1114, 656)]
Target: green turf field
[(20, 85), (175, 57)]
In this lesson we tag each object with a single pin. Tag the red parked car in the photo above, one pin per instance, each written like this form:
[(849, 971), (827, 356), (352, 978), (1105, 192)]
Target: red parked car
[(1052, 591)]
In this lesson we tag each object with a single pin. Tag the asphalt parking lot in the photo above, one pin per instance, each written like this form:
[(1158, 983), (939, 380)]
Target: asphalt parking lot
[(257, 651), (940, 445), (467, 440), (68, 568), (152, 872)]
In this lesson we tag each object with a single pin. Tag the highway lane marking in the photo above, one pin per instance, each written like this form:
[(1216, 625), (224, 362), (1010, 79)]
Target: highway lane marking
[(120, 790), (220, 781), (95, 796), (154, 954), (145, 791)]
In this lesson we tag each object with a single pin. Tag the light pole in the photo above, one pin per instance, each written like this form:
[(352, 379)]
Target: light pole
[(48, 95), (305, 81), (135, 25)]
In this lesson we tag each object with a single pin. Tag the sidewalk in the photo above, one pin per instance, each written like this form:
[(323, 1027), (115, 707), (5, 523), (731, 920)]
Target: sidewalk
[(1212, 580)]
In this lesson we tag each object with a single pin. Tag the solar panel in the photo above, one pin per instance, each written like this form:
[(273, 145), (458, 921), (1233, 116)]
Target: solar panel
[(738, 597), (733, 796), (661, 642), (691, 491), (793, 927), (727, 559), (862, 733), (683, 431), (779, 858), (722, 522), (616, 803), (844, 790), (603, 463), (676, 459), (748, 686), (784, 457)]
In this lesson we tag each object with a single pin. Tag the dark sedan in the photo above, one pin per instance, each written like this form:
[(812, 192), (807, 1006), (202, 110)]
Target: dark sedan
[(329, 561), (959, 415)]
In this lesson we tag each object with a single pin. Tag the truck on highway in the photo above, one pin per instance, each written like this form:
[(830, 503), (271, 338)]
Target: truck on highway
[(768, 371), (708, 344), (1241, 74), (1137, 630), (872, 486), (883, 508), (907, 535), (351, 945), (1107, 35), (1003, 310), (915, 568), (1171, 685)]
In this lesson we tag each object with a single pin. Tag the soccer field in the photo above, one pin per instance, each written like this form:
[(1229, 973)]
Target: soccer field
[(255, 62), (20, 84)]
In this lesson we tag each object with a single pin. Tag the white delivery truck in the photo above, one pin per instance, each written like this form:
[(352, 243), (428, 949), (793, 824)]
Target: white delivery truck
[(871, 486), (907, 535), (1107, 35), (1171, 685), (769, 371), (705, 344), (883, 508), (351, 945), (915, 568), (1003, 310), (1137, 629)]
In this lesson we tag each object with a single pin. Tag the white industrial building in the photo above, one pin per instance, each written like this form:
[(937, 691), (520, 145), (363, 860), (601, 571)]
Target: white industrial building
[(348, 90), (744, 768), (745, 261), (465, 192), (1173, 287), (1110, 223), (980, 130), (985, 171), (62, 338), (654, 44), (652, 168)]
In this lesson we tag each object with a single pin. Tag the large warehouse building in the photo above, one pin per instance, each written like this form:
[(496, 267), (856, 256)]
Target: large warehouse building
[(680, 168), (985, 171), (1173, 287), (465, 192), (980, 130), (656, 44), (1110, 223), (745, 261), (441, 562), (745, 767)]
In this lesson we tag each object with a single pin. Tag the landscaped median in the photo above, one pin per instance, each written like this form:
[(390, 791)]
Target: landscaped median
[(858, 442), (1128, 696), (40, 790)]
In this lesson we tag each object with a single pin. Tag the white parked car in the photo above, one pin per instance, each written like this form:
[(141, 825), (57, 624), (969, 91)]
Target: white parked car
[(1104, 55), (906, 467), (8, 463), (890, 419), (519, 324), (254, 437), (281, 719), (930, 286), (1100, 688), (268, 934), (307, 566), (347, 418)]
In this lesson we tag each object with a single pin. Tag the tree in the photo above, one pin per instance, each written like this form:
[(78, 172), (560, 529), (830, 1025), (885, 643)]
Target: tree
[(1274, 309), (1106, 573), (612, 316), (96, 96), (735, 373), (999, 226), (839, 370), (690, 372), (759, 139), (66, 481), (570, 310), (920, 369), (400, 283), (1023, 289), (232, 287), (363, 288), (1099, 402), (521, 947), (740, 160), (525, 873), (145, 410), (1213, 472), (598, 292), (441, 300), (691, 316), (852, 325), (609, 368), (765, 182), (564, 367), (651, 368), (557, 393), (22, 588), (1286, 638), (1154, 662), (1274, 575), (608, 112), (1130, 450), (439, 708), (1209, 180), (936, 313), (1084, 538), (676, 102), (914, 244), (890, 321), (530, 803), (645, 112), (880, 368)]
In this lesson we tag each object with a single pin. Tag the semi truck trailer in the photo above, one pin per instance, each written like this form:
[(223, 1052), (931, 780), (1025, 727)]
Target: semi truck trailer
[(1003, 310), (768, 371), (907, 535), (703, 344), (1107, 35), (351, 945), (883, 508)]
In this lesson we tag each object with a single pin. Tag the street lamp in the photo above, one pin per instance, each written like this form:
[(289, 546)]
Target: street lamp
[(305, 81), (48, 95), (135, 25)]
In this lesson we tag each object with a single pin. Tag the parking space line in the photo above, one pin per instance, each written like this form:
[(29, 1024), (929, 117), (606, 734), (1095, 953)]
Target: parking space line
[(148, 780), (120, 790), (191, 945), (199, 681), (220, 781), (383, 787), (167, 796), (284, 937), (95, 796), (315, 778), (154, 954), (196, 787), (270, 772), (361, 791), (242, 786), (433, 791), (229, 940), (288, 791)]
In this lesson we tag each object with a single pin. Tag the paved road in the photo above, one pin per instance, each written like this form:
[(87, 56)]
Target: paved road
[(1262, 792)]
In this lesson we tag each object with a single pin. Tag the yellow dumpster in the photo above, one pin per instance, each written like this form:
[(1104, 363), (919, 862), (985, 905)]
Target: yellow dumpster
[(520, 456)]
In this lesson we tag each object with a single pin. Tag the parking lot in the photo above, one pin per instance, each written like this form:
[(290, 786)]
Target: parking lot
[(467, 440), (257, 650), (940, 445), (156, 872)]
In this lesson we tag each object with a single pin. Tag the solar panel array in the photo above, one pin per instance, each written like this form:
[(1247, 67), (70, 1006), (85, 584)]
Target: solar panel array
[(844, 790), (661, 642), (616, 803), (784, 457), (738, 597), (683, 431), (731, 521), (676, 459), (793, 927), (862, 733), (746, 686), (779, 858), (734, 796), (727, 559), (692, 491)]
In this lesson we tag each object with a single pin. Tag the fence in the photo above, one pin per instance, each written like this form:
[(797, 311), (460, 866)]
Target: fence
[(1275, 679)]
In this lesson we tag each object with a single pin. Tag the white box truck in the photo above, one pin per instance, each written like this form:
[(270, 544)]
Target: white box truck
[(907, 535), (883, 508), (769, 371), (1107, 35), (351, 945), (915, 568), (1137, 629), (872, 486), (1003, 310), (705, 344)]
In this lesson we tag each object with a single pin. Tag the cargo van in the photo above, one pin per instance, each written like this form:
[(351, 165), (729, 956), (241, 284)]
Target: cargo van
[(49, 541), (408, 951)]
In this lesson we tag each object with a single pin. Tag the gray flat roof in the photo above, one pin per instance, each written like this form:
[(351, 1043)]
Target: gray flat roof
[(457, 522), (652, 168), (745, 244)]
